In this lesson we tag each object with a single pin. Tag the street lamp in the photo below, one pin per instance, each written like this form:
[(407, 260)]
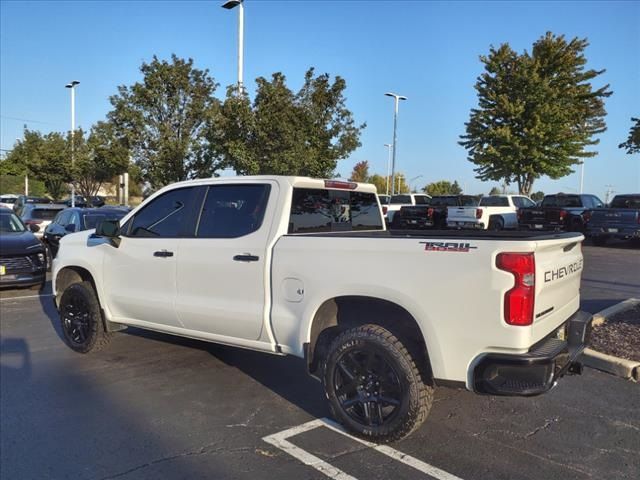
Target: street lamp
[(72, 87), (388, 145), (581, 175), (397, 99), (411, 181), (230, 4)]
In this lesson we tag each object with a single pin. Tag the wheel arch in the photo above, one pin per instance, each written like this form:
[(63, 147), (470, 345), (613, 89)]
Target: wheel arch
[(340, 313), (76, 274)]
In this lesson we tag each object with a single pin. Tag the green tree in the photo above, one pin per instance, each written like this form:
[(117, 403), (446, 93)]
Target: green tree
[(537, 196), (442, 187), (286, 133), (537, 112), (632, 145), (97, 158), (44, 157), (360, 172), (495, 191), (164, 119), (380, 182)]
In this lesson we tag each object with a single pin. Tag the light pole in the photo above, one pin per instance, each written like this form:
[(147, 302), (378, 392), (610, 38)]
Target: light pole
[(397, 99), (581, 175), (411, 181), (72, 87), (230, 4), (388, 145)]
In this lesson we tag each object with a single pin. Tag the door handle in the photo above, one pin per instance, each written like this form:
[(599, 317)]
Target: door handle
[(246, 258), (163, 254)]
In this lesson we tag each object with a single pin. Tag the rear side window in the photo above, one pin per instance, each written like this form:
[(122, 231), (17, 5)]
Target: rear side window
[(318, 210), (422, 200), (232, 211), (494, 202), (165, 216), (620, 201), (44, 213)]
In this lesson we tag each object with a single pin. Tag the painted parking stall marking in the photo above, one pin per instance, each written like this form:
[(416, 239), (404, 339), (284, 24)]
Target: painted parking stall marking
[(280, 440)]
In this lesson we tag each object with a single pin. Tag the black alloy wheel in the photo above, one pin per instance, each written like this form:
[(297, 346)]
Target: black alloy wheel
[(367, 386), (81, 319), (374, 385)]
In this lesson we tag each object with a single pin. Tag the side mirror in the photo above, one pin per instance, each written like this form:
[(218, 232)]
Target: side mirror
[(108, 228), (34, 228), (71, 227)]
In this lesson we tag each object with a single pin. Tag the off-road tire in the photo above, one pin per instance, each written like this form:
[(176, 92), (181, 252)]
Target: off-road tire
[(496, 223), (81, 319), (416, 392)]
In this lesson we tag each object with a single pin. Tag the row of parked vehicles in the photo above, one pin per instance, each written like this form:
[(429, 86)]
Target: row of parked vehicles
[(31, 229), (583, 213)]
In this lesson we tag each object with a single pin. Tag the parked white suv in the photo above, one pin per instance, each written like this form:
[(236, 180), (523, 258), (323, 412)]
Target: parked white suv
[(494, 212), (289, 265)]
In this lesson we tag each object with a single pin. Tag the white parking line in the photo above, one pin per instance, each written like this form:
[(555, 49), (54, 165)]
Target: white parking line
[(4, 299), (279, 440)]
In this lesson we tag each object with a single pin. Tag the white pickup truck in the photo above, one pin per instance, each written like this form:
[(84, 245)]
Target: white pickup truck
[(396, 202), (495, 212), (291, 265)]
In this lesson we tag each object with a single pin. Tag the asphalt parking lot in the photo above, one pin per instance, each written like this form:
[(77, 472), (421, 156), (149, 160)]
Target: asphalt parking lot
[(153, 406)]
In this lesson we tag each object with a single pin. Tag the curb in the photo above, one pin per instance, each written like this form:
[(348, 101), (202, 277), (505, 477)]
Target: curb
[(620, 367), (601, 317)]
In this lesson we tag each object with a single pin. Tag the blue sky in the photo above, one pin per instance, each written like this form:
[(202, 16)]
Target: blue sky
[(427, 51)]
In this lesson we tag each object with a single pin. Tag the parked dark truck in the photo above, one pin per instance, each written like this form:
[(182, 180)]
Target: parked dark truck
[(568, 212), (433, 215), (620, 220)]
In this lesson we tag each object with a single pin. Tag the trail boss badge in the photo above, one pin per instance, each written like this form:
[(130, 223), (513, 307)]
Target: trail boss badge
[(447, 246)]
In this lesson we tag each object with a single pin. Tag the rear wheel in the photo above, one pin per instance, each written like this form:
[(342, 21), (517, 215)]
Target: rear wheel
[(600, 240), (496, 223), (81, 319), (374, 386)]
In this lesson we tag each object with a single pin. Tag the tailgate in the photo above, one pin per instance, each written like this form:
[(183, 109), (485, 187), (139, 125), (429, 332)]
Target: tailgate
[(461, 214), (559, 267), (614, 217)]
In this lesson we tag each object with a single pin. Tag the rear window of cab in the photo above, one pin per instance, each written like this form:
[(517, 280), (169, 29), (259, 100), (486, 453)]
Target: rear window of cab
[(321, 210)]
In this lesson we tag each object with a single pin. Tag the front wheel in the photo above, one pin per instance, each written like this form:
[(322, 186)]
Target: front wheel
[(374, 387), (81, 319)]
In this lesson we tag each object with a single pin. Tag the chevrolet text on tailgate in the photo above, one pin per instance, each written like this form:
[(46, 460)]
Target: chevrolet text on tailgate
[(291, 265)]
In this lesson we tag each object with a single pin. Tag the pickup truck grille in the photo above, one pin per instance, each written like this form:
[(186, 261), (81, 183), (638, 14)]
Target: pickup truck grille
[(13, 264)]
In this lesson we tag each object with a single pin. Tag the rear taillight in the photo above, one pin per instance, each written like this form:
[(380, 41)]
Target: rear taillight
[(586, 216), (32, 222), (519, 301), (429, 212), (563, 214), (478, 213), (340, 184)]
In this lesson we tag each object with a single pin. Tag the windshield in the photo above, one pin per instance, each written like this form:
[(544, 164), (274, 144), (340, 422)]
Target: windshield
[(92, 220), (10, 223), (626, 202)]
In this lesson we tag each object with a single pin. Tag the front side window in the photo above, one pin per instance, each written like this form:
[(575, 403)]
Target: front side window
[(10, 223), (231, 211), (318, 210), (165, 216)]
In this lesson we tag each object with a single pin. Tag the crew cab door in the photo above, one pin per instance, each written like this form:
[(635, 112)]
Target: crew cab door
[(140, 274), (222, 270)]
